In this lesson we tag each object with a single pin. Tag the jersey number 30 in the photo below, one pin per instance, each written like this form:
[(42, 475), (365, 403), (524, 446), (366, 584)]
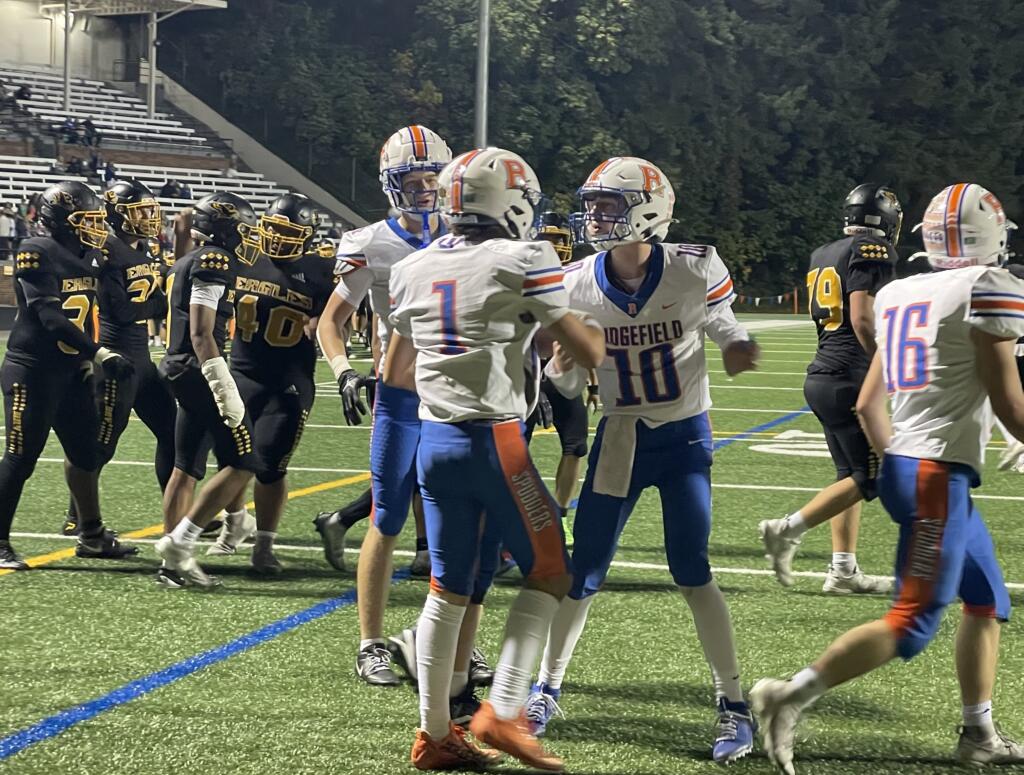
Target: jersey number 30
[(825, 288)]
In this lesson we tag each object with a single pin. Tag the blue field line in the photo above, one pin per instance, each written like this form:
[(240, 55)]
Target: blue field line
[(762, 427), (61, 722)]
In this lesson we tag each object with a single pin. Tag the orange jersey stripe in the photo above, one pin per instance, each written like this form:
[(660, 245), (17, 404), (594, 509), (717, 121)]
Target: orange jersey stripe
[(997, 304), (543, 529), (725, 290), (549, 280)]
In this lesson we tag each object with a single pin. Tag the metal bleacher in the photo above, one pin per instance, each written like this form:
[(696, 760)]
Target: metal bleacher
[(22, 176), (117, 115)]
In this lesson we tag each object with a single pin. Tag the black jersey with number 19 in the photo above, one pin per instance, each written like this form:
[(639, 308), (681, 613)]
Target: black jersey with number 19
[(861, 262)]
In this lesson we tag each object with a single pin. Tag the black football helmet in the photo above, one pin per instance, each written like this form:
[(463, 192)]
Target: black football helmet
[(874, 207), (132, 209), (226, 221), (554, 227), (288, 226), (72, 211)]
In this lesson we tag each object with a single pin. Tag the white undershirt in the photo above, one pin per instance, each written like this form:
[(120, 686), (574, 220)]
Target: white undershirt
[(206, 294)]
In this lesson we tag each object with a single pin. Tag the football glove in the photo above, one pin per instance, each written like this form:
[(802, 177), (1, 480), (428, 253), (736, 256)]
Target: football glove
[(545, 414), (225, 391), (114, 365), (350, 382)]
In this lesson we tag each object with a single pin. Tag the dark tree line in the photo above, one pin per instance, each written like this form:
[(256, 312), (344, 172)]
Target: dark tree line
[(763, 113)]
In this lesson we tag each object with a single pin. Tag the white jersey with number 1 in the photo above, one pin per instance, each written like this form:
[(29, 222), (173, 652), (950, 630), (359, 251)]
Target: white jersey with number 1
[(470, 311), (940, 408), (655, 367)]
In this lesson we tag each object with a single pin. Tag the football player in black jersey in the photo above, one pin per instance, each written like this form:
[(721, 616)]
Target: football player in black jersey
[(273, 358), (210, 409), (46, 374), (129, 294), (843, 279)]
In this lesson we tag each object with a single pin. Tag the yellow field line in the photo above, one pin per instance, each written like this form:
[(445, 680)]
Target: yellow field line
[(152, 530)]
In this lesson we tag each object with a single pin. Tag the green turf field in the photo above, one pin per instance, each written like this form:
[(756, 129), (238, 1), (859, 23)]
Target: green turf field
[(638, 697)]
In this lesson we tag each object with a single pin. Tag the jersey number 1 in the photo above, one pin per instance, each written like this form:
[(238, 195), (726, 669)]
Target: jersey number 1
[(825, 288), (449, 334)]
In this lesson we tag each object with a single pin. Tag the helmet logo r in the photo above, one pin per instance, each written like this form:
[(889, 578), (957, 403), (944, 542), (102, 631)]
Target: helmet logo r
[(515, 173), (652, 178)]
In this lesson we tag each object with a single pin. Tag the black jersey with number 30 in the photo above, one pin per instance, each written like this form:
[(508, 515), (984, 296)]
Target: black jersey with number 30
[(861, 262), (274, 299)]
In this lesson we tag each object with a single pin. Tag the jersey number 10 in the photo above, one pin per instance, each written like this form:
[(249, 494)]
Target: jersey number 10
[(652, 360)]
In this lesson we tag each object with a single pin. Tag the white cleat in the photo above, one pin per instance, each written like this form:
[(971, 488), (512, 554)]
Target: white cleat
[(233, 533), (778, 718), (979, 747), (1011, 457), (857, 583), (779, 549), (179, 560), (403, 652), (265, 562)]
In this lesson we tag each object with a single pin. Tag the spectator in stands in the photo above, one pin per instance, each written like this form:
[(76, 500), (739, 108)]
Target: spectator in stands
[(75, 167), (184, 192), (71, 130), (109, 174), (170, 189), (6, 98), (92, 134), (232, 170), (23, 93), (6, 232), (58, 168), (96, 164)]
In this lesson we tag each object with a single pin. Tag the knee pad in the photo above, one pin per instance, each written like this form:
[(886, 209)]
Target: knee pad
[(269, 476), (575, 450)]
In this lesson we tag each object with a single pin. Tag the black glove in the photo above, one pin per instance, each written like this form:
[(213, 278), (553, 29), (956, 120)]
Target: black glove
[(115, 366), (350, 382), (545, 415)]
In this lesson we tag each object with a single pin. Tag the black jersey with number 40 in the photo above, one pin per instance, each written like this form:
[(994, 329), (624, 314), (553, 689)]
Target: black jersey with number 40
[(274, 300), (209, 265), (861, 262), (43, 268)]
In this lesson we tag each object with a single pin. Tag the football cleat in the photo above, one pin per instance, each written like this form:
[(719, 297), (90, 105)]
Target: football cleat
[(453, 752), (170, 579), (265, 562), (464, 706), (541, 707), (1011, 457), (736, 729), (979, 747), (332, 534), (212, 530), (235, 531), (480, 673), (373, 665), (506, 564), (513, 737), (420, 567), (70, 526), (10, 559), (179, 559), (779, 717), (103, 545), (403, 650), (857, 583), (779, 549)]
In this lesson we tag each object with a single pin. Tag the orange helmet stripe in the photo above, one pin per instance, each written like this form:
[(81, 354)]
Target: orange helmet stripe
[(592, 180), (419, 141), (460, 169), (953, 204)]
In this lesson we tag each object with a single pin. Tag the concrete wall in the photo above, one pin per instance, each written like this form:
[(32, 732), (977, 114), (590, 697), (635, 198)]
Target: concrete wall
[(28, 39)]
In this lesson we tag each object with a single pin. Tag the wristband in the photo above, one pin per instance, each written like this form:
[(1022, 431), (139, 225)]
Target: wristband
[(339, 364)]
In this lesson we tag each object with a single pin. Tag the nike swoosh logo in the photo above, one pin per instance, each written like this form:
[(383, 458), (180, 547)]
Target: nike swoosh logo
[(666, 306)]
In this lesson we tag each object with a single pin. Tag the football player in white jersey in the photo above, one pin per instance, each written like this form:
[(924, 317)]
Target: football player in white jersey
[(409, 165), (464, 312), (656, 302), (946, 359)]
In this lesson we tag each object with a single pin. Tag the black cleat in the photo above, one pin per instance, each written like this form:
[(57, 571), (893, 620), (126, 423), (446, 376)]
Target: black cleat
[(70, 526), (332, 533), (10, 559), (373, 665), (103, 546), (480, 673), (170, 579), (464, 706), (213, 529)]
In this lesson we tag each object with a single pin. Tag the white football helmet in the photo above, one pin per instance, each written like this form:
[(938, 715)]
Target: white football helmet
[(964, 225), (625, 199), (491, 186), (412, 149)]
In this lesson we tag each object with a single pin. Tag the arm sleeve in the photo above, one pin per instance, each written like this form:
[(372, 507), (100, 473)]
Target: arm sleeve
[(997, 304), (354, 284), (206, 294), (543, 290), (724, 329), (872, 264), (354, 275)]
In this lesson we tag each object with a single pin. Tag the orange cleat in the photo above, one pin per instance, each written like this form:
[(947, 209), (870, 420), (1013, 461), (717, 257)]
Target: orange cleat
[(513, 737), (454, 752)]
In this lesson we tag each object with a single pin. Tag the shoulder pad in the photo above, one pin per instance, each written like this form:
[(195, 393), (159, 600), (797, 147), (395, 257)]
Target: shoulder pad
[(214, 259), (29, 258), (870, 249)]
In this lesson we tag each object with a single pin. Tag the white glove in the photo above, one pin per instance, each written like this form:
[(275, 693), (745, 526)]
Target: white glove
[(225, 391)]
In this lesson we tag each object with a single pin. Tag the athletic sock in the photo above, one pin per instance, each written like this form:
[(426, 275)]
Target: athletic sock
[(714, 630), (844, 563), (460, 680), (357, 510), (437, 636), (186, 533), (794, 525), (421, 545), (264, 539), (365, 643), (529, 620), (806, 686), (566, 629), (980, 716)]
